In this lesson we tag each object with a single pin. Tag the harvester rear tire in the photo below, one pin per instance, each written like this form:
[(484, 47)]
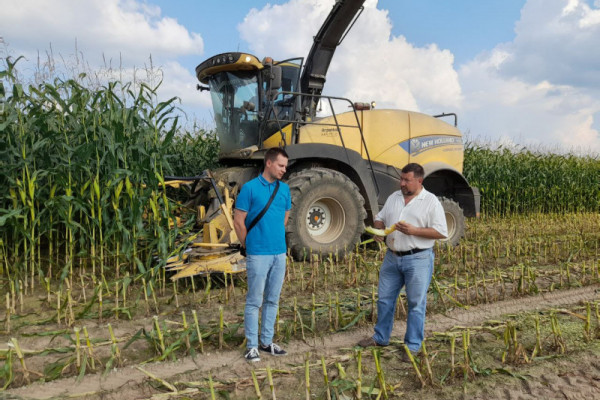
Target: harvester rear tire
[(455, 220), (327, 215)]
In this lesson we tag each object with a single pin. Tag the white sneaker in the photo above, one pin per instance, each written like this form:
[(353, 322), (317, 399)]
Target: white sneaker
[(273, 349), (251, 355)]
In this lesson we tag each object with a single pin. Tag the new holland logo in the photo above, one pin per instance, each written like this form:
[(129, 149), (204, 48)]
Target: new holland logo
[(418, 145)]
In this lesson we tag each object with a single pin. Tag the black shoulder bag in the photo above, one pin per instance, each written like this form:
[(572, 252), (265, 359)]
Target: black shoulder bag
[(259, 216)]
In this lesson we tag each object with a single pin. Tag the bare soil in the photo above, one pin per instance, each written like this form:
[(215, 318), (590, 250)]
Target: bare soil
[(575, 376)]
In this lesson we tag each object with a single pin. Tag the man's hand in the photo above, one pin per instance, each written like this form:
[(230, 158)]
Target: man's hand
[(409, 229), (239, 224), (406, 228), (378, 225)]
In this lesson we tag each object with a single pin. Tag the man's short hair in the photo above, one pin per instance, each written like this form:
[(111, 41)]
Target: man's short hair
[(273, 153), (415, 168)]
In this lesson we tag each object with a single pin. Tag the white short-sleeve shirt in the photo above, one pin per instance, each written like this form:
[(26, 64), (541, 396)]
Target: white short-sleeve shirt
[(423, 211)]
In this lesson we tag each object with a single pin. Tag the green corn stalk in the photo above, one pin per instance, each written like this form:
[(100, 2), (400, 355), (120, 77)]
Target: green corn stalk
[(427, 363), (221, 325), (358, 357), (296, 313), (452, 354), (197, 326), (89, 348), (414, 364), (256, 385), (301, 322), (159, 334), (307, 377), (326, 378), (373, 304), (330, 310), (7, 320), (153, 296), (271, 385), (211, 386), (587, 328), (21, 357), (100, 311), (537, 350), (77, 347), (58, 295), (467, 370), (117, 300), (313, 322), (7, 371), (145, 290), (176, 296), (186, 330), (380, 376), (559, 342), (339, 318)]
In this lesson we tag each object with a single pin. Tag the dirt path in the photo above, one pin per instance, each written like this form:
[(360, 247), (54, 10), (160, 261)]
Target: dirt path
[(131, 383)]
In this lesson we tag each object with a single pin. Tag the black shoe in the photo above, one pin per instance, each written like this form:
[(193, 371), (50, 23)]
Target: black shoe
[(272, 349), (251, 355), (405, 358), (369, 342)]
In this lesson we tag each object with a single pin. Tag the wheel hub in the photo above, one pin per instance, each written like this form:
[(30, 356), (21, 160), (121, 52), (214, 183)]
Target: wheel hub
[(316, 218), (325, 220)]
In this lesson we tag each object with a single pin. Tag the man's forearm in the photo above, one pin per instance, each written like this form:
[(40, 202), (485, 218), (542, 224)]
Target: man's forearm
[(428, 233), (239, 224), (241, 234)]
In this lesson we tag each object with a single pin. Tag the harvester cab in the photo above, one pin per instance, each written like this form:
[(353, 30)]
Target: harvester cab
[(251, 100)]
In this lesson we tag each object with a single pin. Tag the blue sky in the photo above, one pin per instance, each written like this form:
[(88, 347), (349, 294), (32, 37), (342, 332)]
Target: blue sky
[(517, 72)]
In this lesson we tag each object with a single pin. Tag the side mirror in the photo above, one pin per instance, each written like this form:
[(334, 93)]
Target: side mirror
[(275, 77)]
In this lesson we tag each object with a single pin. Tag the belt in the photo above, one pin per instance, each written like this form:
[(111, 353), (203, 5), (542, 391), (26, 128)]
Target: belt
[(407, 252)]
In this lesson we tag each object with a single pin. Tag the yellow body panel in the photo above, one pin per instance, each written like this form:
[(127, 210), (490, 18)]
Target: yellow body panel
[(275, 139), (393, 137), (324, 131), (384, 130), (433, 140), (226, 62)]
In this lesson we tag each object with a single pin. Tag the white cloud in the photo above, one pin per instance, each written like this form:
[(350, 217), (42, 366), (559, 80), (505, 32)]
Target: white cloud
[(125, 40), (556, 40), (127, 30), (178, 81), (533, 91), (370, 64), (541, 115)]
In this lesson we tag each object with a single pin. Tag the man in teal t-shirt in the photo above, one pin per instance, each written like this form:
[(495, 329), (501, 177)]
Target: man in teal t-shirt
[(265, 249)]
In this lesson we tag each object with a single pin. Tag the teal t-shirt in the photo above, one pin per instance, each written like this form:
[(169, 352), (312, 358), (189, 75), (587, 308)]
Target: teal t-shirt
[(268, 235)]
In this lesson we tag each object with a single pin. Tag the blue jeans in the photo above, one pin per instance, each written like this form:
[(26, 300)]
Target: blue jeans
[(415, 272), (265, 279)]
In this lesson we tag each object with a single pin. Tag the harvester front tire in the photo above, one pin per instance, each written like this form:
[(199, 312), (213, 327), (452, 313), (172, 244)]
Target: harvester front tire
[(455, 220), (327, 213)]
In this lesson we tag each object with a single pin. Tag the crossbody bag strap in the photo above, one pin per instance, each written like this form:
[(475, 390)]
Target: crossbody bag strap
[(264, 210)]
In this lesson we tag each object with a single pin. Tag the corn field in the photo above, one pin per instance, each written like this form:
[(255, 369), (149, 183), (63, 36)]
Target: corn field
[(526, 182), (74, 330), (81, 171)]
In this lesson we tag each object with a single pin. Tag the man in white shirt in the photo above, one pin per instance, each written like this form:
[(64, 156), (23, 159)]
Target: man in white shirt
[(418, 218)]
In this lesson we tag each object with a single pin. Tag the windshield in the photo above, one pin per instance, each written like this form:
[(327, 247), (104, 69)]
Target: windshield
[(235, 103)]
